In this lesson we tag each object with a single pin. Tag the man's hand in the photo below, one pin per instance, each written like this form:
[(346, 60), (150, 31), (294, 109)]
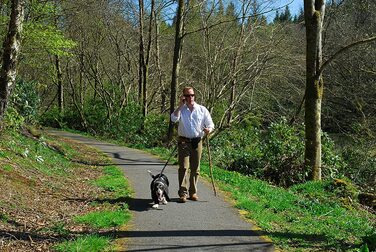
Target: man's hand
[(207, 131), (182, 100)]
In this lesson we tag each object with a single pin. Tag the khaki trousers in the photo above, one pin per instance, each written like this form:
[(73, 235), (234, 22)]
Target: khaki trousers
[(189, 167)]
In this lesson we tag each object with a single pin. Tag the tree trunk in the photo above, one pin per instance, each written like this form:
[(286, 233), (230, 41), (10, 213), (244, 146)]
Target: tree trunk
[(176, 62), (60, 87), (141, 61), (314, 11), (147, 58), (11, 49)]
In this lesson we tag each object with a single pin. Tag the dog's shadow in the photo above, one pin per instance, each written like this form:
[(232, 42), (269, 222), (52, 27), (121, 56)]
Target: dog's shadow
[(134, 204), (141, 205)]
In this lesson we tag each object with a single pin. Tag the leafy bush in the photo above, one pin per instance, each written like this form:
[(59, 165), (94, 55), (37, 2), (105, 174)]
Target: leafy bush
[(361, 164), (238, 149), (128, 123), (12, 119), (25, 100), (52, 118), (332, 160), (155, 130), (275, 155), (283, 154)]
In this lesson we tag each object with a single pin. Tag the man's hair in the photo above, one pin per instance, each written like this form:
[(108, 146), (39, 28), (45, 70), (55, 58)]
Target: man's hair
[(187, 88)]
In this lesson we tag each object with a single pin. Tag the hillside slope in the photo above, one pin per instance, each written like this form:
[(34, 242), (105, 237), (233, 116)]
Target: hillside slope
[(44, 183)]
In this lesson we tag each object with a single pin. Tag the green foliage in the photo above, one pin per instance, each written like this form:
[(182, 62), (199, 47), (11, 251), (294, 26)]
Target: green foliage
[(114, 181), (12, 119), (35, 155), (52, 118), (283, 152), (42, 33), (370, 241), (275, 155), (25, 99), (128, 123), (361, 163), (238, 149), (93, 243), (7, 167), (332, 160), (154, 132), (105, 219), (58, 228), (304, 216), (4, 218), (284, 17)]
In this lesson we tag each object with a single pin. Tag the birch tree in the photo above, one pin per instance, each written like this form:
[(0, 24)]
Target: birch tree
[(11, 50), (314, 12)]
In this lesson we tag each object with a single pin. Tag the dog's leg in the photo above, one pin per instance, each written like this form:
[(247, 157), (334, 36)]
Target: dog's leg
[(155, 206)]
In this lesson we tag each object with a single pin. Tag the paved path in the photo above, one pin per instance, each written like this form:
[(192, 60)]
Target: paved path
[(210, 224)]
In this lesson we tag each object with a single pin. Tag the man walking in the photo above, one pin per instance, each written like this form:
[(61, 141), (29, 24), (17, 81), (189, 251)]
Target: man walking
[(194, 122)]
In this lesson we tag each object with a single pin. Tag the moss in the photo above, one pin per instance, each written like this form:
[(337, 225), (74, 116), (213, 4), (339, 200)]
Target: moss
[(343, 188)]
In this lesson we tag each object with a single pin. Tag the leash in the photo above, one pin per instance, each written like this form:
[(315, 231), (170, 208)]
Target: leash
[(173, 151)]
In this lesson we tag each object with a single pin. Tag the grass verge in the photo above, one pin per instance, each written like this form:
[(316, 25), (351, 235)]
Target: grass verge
[(92, 243), (58, 193)]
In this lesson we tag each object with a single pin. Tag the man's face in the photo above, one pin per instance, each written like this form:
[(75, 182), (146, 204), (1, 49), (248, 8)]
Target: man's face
[(189, 96)]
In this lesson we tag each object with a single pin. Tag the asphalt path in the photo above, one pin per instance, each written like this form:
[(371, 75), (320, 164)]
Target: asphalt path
[(209, 224)]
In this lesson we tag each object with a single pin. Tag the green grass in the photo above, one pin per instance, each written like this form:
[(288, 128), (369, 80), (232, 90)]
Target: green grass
[(105, 219), (304, 217), (114, 181), (34, 154), (92, 243), (7, 167), (39, 157), (58, 228)]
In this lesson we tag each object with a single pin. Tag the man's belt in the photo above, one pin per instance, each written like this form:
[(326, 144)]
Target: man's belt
[(189, 140)]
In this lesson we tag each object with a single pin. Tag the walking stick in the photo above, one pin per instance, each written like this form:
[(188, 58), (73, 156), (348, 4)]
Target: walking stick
[(210, 165)]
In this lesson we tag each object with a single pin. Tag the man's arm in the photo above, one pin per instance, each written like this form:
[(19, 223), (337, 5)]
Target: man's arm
[(208, 122), (175, 116)]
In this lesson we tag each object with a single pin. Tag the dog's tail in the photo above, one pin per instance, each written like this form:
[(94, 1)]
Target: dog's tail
[(151, 174)]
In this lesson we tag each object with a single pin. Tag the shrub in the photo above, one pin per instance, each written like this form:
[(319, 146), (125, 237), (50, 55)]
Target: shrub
[(238, 149), (52, 118), (275, 155), (12, 119), (155, 130), (128, 123), (361, 164), (283, 154), (25, 100)]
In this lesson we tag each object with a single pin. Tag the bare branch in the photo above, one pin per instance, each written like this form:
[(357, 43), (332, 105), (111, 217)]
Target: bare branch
[(342, 50)]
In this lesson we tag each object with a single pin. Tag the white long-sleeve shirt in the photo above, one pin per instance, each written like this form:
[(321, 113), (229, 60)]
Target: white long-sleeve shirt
[(192, 124)]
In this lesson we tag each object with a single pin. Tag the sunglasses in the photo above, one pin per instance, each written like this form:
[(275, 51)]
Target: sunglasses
[(189, 95)]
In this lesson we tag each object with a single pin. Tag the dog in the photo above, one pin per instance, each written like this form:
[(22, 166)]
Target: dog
[(159, 189)]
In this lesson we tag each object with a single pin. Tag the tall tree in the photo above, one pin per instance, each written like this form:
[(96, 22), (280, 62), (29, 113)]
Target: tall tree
[(142, 64), (11, 49), (314, 11), (176, 61)]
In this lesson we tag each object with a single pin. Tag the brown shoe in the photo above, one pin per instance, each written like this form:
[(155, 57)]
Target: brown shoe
[(193, 197), (182, 199)]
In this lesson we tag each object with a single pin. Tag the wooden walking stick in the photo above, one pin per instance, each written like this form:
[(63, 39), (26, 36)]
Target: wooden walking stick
[(210, 165)]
